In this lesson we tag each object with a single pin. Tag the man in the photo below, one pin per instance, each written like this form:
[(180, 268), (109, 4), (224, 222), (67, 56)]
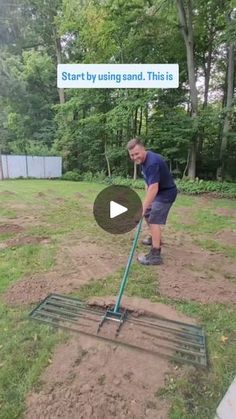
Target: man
[(161, 192)]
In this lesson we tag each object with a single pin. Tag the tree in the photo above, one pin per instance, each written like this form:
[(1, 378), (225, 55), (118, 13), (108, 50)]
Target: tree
[(186, 25), (42, 22), (91, 127), (231, 21)]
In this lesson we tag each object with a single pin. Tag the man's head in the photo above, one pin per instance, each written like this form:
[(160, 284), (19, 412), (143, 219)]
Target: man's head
[(136, 150)]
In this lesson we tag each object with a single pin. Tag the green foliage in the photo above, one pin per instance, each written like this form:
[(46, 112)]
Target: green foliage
[(220, 189), (71, 176), (28, 97), (190, 187), (223, 189), (88, 177), (118, 180), (99, 176), (185, 186)]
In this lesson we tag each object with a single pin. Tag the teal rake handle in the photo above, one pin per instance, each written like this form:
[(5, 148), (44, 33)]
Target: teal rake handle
[(127, 269)]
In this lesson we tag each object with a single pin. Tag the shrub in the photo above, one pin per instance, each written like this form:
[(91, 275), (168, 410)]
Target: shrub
[(193, 187), (74, 176), (88, 177), (186, 186)]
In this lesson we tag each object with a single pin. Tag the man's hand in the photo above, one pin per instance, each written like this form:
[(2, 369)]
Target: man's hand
[(145, 209), (150, 196)]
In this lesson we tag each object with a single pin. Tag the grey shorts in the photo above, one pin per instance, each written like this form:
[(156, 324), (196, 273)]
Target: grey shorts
[(158, 212)]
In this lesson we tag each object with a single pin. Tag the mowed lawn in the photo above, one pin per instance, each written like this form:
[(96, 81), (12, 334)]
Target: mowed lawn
[(54, 211)]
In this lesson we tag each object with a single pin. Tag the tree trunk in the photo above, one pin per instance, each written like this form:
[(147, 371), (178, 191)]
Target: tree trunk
[(186, 25), (207, 73), (135, 171), (135, 121), (61, 92), (229, 101), (140, 121), (192, 160), (146, 119), (107, 160)]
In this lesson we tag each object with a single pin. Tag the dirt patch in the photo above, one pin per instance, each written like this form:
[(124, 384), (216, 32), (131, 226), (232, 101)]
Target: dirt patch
[(227, 212), (76, 265), (79, 195), (88, 259), (51, 191), (31, 221), (10, 228), (192, 273), (59, 200), (141, 306), (41, 195), (186, 215), (91, 379), (37, 287), (7, 193), (227, 237), (23, 220), (213, 196), (19, 206), (27, 240)]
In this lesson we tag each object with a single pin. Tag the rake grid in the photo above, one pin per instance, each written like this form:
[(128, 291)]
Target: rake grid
[(179, 341)]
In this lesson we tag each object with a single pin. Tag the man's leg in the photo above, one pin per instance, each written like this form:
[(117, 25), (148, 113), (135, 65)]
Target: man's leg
[(156, 235), (154, 256), (158, 217), (148, 239), (155, 231)]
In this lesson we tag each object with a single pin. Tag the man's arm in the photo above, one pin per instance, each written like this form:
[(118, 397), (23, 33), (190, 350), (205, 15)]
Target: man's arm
[(151, 192)]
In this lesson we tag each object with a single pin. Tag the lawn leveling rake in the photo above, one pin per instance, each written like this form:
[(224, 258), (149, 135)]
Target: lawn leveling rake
[(150, 333)]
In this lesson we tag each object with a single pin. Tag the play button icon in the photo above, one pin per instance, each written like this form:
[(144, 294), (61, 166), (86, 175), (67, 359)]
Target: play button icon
[(117, 209)]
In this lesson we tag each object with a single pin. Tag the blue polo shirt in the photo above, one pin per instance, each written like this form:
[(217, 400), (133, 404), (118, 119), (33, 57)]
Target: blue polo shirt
[(155, 170)]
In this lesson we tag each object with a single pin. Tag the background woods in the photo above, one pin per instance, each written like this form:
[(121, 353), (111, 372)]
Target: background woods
[(193, 126)]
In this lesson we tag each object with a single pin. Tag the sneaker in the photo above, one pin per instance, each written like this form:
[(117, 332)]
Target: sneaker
[(152, 258)]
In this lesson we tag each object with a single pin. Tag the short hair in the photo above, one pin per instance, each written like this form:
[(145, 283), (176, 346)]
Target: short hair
[(135, 141)]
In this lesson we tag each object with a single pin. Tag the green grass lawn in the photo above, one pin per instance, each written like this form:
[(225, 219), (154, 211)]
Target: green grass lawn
[(58, 211)]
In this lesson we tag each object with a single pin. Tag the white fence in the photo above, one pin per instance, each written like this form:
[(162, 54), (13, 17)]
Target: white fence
[(30, 166)]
